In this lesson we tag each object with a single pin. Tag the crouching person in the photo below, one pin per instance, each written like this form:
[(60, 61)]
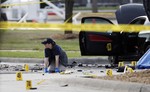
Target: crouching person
[(55, 58)]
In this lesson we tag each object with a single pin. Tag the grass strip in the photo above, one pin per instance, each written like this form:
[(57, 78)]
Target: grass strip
[(35, 54)]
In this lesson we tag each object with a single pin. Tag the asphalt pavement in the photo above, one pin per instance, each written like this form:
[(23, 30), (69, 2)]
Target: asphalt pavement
[(66, 83), (75, 79)]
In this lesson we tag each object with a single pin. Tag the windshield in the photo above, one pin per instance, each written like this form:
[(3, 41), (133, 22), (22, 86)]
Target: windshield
[(96, 20)]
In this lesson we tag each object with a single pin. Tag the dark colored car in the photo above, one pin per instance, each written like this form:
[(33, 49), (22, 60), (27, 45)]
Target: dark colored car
[(119, 46)]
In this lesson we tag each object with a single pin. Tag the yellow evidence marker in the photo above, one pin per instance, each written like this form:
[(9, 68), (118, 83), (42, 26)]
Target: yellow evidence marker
[(130, 70), (121, 64), (19, 76), (109, 72), (26, 67), (28, 84), (133, 63)]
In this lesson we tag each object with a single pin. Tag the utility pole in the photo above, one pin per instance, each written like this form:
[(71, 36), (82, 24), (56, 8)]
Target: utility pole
[(94, 6), (88, 4), (131, 1), (68, 13)]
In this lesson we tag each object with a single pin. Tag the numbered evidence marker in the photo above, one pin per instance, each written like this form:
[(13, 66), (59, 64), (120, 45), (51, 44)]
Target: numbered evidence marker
[(109, 47), (121, 64), (19, 76), (130, 70), (28, 84), (133, 63), (109, 72), (26, 66)]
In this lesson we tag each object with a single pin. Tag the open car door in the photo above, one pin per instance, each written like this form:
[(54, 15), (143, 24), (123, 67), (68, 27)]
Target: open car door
[(99, 43)]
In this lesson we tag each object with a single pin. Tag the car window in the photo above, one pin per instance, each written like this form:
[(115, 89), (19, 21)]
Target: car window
[(98, 21), (139, 21)]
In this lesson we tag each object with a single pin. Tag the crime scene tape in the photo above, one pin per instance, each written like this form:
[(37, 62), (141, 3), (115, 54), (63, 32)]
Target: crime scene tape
[(40, 82), (20, 4), (74, 27)]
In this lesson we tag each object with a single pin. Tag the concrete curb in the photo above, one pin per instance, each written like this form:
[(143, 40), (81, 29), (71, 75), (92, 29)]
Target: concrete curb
[(20, 60), (106, 85), (93, 60)]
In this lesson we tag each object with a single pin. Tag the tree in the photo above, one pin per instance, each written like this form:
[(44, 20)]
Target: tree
[(2, 1), (68, 13), (94, 6)]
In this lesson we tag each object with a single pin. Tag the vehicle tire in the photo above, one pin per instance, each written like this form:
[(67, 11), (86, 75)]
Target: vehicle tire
[(113, 60), (148, 47)]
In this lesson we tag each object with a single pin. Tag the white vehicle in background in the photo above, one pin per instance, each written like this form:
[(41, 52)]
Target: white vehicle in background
[(146, 33), (29, 10)]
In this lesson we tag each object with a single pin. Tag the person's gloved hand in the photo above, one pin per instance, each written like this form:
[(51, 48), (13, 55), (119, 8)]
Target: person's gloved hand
[(46, 70), (57, 70)]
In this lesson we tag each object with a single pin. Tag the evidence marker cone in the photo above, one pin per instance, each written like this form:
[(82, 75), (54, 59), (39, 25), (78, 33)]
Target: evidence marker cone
[(109, 72), (19, 76), (28, 84), (26, 67), (121, 64), (130, 70), (133, 63)]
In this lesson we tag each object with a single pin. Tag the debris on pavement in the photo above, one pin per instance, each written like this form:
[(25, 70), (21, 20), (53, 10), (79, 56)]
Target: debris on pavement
[(87, 71), (80, 65), (66, 72), (79, 70), (64, 85), (33, 88), (142, 76), (17, 67)]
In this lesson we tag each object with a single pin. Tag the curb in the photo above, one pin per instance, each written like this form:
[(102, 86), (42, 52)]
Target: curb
[(106, 85), (92, 60)]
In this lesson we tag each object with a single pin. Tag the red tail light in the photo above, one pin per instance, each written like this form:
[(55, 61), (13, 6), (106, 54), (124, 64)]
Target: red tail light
[(99, 38)]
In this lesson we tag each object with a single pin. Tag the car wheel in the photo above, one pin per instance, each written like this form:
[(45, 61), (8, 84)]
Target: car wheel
[(113, 60)]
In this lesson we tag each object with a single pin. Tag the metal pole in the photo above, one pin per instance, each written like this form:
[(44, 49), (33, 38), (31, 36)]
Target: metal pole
[(94, 6), (131, 1), (89, 3)]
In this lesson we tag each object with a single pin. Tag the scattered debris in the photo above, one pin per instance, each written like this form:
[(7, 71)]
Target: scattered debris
[(142, 76), (102, 71), (108, 66), (73, 64), (33, 88), (91, 71), (7, 67), (22, 70), (79, 70), (89, 75), (80, 65), (2, 66), (66, 72), (121, 69), (64, 85)]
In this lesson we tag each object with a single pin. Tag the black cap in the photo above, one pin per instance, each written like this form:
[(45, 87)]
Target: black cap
[(48, 40)]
